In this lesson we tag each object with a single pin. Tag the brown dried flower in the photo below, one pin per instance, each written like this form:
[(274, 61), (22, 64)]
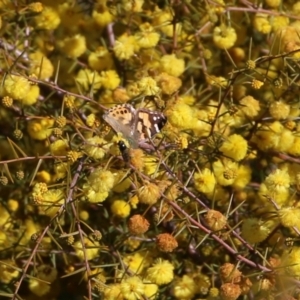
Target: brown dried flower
[(166, 242), (137, 224)]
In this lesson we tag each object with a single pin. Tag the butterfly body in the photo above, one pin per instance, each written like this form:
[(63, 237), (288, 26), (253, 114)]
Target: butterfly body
[(124, 151), (136, 125)]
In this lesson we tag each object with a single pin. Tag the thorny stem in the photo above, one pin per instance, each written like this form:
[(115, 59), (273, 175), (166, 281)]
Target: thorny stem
[(43, 233)]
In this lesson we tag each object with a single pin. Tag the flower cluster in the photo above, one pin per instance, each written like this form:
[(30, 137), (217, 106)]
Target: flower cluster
[(118, 201)]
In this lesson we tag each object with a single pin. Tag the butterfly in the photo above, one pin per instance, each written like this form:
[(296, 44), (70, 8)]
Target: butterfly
[(136, 125)]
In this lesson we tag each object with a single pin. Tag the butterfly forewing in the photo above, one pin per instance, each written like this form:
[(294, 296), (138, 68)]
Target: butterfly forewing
[(121, 118), (149, 123)]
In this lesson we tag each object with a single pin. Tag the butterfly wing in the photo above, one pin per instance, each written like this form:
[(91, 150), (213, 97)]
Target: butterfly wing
[(149, 123), (135, 125), (122, 119)]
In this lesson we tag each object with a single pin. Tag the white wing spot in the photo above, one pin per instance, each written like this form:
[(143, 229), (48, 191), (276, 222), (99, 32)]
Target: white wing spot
[(156, 127)]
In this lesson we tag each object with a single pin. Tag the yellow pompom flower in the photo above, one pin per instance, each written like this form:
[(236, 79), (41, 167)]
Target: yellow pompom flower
[(70, 16), (132, 288), (151, 290), (224, 37), (52, 202), (100, 183), (133, 6), (4, 216), (295, 8), (40, 129), (138, 159), (84, 215), (291, 261), (136, 262), (215, 220), (125, 47), (148, 86), (133, 90), (8, 271), (96, 147), (184, 288), (150, 165), (286, 141), (163, 21), (279, 22), (273, 3), (91, 120), (205, 181), (181, 116), (59, 148), (249, 106), (255, 230), (122, 181), (294, 149), (134, 201), (169, 84), (40, 188), (280, 198), (16, 87), (276, 186), (112, 292), (40, 65), (289, 216), (132, 244), (32, 95), (110, 79), (243, 177), (5, 242), (261, 23), (172, 65), (225, 171), (238, 55), (147, 37), (102, 18), (279, 110), (88, 78), (218, 81), (268, 136), (294, 172), (100, 59), (13, 206), (162, 272), (149, 193), (91, 249), (73, 46), (235, 147), (48, 19), (61, 170), (43, 176), (120, 209), (30, 229), (278, 181), (46, 274)]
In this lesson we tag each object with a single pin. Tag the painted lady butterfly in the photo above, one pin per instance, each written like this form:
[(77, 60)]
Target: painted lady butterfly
[(136, 125)]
